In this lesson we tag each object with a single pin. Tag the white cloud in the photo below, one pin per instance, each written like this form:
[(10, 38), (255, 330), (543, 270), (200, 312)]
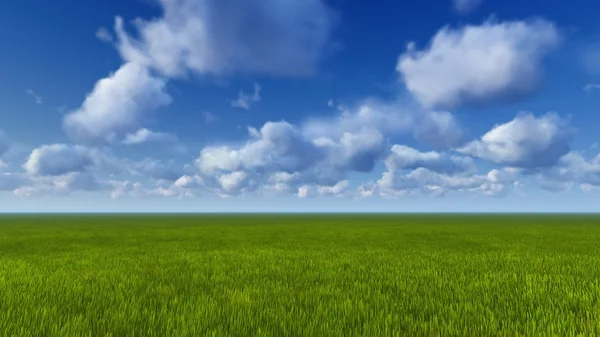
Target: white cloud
[(187, 181), (136, 189), (466, 6), (144, 135), (58, 159), (336, 190), (234, 182), (424, 181), (60, 185), (321, 151), (403, 157), (526, 141), (339, 189), (104, 35), (117, 104), (571, 169), (38, 99), (591, 87), (303, 192), (411, 172), (224, 36), (62, 159), (478, 64), (245, 101), (367, 190)]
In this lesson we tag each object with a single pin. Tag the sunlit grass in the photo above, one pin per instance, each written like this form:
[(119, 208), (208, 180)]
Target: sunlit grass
[(294, 275)]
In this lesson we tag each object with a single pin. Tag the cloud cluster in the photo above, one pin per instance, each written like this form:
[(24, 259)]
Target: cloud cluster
[(468, 66), (526, 142), (319, 152), (476, 65), (572, 169), (212, 37)]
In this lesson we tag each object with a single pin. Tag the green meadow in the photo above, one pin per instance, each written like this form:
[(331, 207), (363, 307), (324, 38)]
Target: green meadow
[(299, 275)]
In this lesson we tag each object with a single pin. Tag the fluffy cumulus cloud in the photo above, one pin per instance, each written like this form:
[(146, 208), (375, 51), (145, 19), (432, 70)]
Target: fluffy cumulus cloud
[(271, 37), (137, 189), (413, 172), (475, 65), (58, 159), (527, 142), (572, 169), (423, 181), (319, 153), (217, 37), (60, 169), (60, 185), (117, 104)]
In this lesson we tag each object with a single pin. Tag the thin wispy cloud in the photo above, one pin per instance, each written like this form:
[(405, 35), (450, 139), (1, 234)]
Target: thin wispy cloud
[(591, 87), (38, 99), (208, 117), (245, 101), (104, 35)]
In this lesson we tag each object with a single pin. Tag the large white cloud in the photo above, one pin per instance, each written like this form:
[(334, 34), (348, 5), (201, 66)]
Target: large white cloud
[(117, 104), (478, 64), (526, 141), (277, 37), (204, 37)]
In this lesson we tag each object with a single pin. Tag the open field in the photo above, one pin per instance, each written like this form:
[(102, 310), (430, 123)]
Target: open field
[(299, 275)]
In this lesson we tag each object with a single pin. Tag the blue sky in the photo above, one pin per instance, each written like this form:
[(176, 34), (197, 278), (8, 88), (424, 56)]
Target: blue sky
[(314, 105)]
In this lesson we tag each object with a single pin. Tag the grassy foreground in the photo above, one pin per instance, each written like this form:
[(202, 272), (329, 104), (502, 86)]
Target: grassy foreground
[(299, 275)]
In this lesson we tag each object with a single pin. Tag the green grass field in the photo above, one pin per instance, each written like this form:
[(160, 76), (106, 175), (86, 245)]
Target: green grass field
[(299, 275)]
